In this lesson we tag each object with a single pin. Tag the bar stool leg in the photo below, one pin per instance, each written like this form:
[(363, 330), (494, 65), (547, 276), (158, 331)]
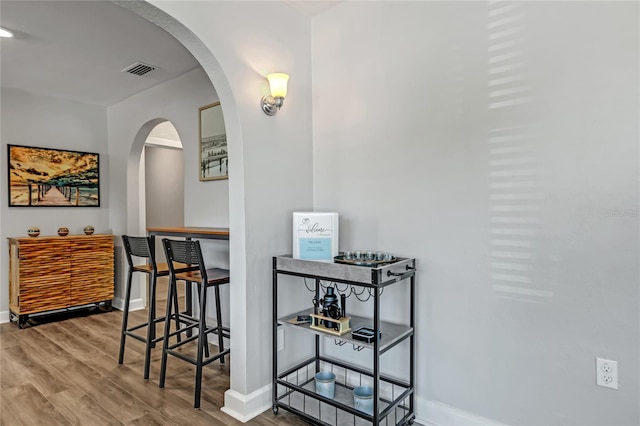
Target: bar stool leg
[(125, 316), (151, 327), (177, 311), (202, 341), (219, 319), (188, 290), (204, 320), (167, 323), (153, 281)]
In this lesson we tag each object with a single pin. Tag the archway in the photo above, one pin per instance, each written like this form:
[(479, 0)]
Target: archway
[(237, 244)]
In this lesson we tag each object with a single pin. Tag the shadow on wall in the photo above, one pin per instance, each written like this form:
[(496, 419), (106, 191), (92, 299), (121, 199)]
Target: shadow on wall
[(515, 181)]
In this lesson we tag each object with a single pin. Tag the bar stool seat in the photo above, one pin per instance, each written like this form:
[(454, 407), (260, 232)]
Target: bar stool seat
[(189, 252), (163, 268), (215, 276), (140, 247)]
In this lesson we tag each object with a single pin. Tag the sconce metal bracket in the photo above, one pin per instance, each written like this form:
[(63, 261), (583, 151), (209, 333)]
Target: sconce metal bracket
[(268, 104), (271, 105)]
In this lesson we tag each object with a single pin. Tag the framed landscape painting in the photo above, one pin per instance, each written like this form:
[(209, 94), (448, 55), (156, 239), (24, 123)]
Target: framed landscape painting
[(214, 160), (45, 177)]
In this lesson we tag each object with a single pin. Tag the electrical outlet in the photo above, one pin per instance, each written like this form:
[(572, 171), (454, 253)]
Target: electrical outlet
[(607, 373)]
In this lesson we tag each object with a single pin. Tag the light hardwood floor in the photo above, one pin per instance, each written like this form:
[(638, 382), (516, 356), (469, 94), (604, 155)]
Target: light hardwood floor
[(66, 373)]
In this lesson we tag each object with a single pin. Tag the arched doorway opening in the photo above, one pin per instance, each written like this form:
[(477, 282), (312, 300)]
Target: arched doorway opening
[(235, 197), (162, 170)]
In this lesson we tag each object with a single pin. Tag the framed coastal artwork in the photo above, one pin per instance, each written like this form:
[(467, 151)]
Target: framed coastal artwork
[(214, 161), (46, 177)]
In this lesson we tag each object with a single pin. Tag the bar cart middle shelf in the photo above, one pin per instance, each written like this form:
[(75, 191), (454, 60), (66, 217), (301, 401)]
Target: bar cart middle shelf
[(294, 387)]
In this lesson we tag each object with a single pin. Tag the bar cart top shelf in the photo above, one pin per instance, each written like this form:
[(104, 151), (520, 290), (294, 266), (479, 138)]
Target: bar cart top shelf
[(340, 272)]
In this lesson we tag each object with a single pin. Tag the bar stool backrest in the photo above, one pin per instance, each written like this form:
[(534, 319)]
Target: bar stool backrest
[(139, 247), (188, 252)]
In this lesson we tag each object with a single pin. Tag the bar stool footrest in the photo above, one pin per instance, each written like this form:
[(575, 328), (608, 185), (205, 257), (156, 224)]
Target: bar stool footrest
[(226, 332), (216, 357), (136, 327), (136, 336), (182, 343), (193, 361)]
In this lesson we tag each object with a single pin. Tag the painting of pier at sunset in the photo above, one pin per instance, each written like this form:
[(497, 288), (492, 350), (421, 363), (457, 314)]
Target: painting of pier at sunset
[(42, 177)]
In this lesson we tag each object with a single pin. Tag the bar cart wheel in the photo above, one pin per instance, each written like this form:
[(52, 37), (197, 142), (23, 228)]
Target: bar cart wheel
[(274, 409)]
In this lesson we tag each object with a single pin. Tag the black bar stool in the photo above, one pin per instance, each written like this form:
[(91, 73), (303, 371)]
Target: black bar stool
[(140, 247), (189, 252)]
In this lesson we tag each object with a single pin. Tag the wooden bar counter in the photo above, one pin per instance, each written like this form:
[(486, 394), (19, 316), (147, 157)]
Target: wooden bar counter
[(191, 232)]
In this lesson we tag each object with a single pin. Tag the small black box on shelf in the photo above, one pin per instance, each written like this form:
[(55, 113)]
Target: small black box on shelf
[(365, 334)]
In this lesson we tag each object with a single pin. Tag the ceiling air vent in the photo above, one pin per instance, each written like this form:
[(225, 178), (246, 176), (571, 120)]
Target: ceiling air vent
[(139, 68)]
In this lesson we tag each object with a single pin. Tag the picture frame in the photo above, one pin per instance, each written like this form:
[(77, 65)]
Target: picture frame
[(48, 177), (212, 147)]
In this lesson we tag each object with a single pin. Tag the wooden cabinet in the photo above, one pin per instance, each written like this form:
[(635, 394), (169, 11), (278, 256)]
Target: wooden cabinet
[(48, 274)]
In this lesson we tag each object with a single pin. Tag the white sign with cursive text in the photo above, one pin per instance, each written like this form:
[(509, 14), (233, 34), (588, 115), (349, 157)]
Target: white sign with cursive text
[(315, 236)]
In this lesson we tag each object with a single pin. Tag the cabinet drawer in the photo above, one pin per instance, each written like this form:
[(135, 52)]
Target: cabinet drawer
[(39, 269), (91, 291), (95, 244), (90, 261), (44, 281), (44, 249), (105, 279), (43, 298)]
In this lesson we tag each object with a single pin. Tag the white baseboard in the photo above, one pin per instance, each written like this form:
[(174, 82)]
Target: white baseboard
[(245, 407), (4, 317), (134, 305), (434, 413)]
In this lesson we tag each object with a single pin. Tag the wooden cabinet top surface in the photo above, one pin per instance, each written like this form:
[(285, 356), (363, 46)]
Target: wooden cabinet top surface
[(58, 238)]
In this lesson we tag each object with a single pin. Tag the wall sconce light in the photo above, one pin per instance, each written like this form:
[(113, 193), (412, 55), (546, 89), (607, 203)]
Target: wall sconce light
[(278, 85)]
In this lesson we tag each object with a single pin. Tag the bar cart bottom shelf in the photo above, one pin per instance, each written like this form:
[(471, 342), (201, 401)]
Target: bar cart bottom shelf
[(296, 393)]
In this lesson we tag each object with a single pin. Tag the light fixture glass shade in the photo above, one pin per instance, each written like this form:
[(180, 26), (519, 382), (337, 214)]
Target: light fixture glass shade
[(5, 33), (278, 83)]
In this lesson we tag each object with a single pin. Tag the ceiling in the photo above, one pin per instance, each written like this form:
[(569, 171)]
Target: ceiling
[(77, 50)]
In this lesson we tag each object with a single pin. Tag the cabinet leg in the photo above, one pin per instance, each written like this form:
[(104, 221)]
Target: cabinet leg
[(22, 321)]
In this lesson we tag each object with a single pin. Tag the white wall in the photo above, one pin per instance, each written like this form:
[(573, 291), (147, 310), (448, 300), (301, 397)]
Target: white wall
[(164, 183), (33, 120), (164, 188), (498, 144)]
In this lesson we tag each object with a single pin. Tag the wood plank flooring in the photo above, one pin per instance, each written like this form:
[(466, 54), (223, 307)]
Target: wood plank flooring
[(66, 373)]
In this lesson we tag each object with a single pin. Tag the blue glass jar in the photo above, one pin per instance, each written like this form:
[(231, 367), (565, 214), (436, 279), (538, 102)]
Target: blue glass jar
[(326, 384), (363, 399)]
